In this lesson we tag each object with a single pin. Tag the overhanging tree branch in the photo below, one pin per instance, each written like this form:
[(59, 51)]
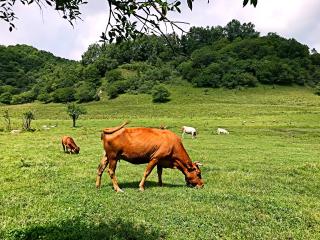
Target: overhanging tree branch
[(123, 18)]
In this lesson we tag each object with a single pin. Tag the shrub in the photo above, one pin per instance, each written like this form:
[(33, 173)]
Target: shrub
[(136, 66), (317, 89), (186, 70), (25, 97), (235, 79), (114, 75), (157, 74), (6, 98), (209, 77), (121, 86), (44, 97), (63, 95), (8, 88), (160, 94), (112, 92), (86, 92)]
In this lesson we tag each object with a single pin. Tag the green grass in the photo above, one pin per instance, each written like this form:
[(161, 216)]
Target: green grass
[(261, 182)]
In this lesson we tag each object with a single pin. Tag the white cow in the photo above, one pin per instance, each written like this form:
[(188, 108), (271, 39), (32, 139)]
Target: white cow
[(189, 130), (222, 131)]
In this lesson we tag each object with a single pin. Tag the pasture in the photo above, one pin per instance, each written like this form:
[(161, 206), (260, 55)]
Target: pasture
[(262, 181)]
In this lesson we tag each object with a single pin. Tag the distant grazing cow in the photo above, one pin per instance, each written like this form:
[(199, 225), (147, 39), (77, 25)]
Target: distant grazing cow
[(222, 131), (69, 145), (189, 130), (156, 147)]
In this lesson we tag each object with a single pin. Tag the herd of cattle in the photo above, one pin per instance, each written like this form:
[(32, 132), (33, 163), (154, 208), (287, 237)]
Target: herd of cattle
[(156, 147)]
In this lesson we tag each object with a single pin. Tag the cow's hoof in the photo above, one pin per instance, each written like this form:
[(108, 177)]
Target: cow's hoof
[(119, 190), (141, 189)]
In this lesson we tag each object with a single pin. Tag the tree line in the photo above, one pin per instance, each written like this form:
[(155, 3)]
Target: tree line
[(233, 56)]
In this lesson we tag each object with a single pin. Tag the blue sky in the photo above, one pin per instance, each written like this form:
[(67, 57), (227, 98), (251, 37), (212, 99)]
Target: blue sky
[(46, 30)]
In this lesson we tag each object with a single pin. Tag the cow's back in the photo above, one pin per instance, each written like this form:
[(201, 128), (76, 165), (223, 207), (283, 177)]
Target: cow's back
[(140, 143)]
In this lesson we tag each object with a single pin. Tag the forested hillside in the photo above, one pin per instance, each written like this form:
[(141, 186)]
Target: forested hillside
[(233, 56)]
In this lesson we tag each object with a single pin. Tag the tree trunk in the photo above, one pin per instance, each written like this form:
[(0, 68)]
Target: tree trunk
[(73, 122)]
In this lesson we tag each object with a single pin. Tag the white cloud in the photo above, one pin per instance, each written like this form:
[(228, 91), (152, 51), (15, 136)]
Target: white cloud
[(48, 31)]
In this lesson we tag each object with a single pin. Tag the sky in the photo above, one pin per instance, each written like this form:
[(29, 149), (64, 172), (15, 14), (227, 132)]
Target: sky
[(46, 29)]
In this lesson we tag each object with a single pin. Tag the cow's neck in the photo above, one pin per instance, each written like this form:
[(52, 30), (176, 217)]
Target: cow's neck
[(183, 165)]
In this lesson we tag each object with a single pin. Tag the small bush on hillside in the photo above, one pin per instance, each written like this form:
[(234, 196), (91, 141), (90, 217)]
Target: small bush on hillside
[(140, 85), (112, 92), (157, 74), (6, 98), (44, 97), (114, 75), (317, 89), (8, 88), (121, 86), (86, 92), (63, 95), (136, 66), (25, 97), (209, 77), (160, 94), (186, 70), (233, 80)]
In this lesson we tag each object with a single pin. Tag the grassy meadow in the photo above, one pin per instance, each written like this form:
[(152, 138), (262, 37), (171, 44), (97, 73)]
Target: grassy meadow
[(261, 182)]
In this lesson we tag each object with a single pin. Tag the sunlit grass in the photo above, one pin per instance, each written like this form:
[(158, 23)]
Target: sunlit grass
[(261, 182)]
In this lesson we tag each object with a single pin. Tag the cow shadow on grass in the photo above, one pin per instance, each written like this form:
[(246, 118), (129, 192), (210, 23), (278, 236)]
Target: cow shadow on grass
[(148, 184), (78, 229)]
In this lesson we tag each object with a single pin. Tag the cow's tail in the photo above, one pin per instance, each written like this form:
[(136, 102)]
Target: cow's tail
[(114, 129)]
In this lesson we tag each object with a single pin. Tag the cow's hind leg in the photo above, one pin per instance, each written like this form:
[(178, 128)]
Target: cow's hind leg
[(148, 170), (159, 171), (102, 166), (112, 173)]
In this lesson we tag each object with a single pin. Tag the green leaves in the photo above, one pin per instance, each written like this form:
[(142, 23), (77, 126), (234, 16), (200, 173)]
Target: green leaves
[(189, 2), (253, 2)]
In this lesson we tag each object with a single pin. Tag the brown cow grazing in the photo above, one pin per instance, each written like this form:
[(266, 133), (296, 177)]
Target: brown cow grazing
[(156, 147), (69, 145)]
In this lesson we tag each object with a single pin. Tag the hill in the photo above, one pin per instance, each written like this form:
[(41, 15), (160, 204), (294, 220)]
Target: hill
[(233, 56)]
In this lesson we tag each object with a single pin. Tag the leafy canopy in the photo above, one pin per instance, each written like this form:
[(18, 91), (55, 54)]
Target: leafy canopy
[(127, 19)]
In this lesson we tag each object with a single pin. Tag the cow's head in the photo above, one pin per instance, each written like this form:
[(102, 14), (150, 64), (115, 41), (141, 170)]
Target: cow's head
[(193, 175), (76, 150)]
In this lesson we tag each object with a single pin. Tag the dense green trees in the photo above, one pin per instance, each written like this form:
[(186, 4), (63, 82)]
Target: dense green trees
[(232, 56)]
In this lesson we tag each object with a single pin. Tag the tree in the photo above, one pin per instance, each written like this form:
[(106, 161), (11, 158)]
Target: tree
[(7, 119), (5, 98), (160, 94), (27, 118), (85, 92), (74, 111), (124, 16), (317, 89), (63, 95)]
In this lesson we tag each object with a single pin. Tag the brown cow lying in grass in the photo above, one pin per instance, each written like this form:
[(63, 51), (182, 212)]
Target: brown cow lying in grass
[(69, 145), (156, 147)]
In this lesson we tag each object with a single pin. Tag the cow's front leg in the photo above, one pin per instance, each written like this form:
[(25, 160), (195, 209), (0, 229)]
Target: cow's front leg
[(102, 166), (159, 171), (64, 148), (148, 170), (112, 173)]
